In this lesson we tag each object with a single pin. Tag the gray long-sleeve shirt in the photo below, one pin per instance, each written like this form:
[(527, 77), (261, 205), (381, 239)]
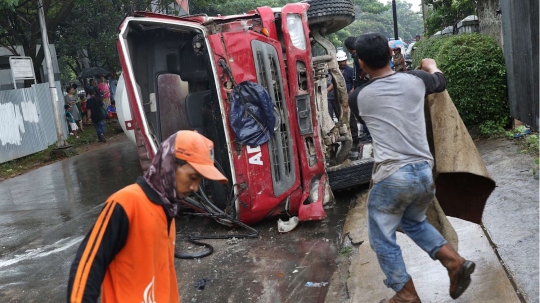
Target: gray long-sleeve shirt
[(393, 110)]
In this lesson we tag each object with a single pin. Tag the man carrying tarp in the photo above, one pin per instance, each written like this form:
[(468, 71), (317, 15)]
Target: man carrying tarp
[(392, 106)]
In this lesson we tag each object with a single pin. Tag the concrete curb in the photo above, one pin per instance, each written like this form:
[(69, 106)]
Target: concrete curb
[(364, 284)]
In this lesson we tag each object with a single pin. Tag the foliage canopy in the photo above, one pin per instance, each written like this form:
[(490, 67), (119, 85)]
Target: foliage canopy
[(443, 13), (409, 22), (85, 32), (19, 26), (475, 71)]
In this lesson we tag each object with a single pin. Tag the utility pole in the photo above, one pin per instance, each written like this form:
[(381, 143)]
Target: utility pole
[(61, 143), (394, 14), (424, 16)]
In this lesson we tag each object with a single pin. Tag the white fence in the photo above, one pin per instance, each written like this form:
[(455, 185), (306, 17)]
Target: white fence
[(27, 121)]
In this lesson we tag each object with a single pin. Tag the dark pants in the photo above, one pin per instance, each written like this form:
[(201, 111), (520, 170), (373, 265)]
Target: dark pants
[(353, 122), (100, 128), (354, 128), (332, 108)]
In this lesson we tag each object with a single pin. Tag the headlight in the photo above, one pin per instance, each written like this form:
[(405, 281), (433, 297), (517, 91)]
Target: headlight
[(296, 30)]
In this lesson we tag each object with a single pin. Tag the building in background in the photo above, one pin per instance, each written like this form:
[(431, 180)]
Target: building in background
[(6, 81)]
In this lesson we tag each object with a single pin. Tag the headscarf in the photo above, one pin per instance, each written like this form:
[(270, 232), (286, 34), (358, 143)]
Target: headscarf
[(161, 176)]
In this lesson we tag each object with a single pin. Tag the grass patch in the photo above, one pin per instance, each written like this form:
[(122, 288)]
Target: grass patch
[(20, 165), (528, 144), (89, 135), (345, 251), (531, 144)]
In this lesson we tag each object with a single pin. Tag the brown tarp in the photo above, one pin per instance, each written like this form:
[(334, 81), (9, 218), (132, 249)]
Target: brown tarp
[(436, 217), (463, 183)]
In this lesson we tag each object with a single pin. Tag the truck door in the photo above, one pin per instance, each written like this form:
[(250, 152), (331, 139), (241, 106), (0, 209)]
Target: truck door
[(301, 92)]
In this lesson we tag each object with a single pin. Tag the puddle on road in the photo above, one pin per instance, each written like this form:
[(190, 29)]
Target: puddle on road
[(273, 268)]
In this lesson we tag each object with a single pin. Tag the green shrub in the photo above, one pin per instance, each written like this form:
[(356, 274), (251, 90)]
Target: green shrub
[(491, 129), (475, 71), (532, 144), (427, 48)]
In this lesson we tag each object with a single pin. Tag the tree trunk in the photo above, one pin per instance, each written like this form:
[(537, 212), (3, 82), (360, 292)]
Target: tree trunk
[(490, 20), (38, 60)]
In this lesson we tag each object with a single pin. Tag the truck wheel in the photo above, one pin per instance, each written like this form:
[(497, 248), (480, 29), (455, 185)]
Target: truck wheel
[(352, 174), (330, 15)]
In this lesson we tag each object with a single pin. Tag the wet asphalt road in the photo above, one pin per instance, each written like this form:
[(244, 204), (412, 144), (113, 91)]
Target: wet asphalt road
[(44, 215)]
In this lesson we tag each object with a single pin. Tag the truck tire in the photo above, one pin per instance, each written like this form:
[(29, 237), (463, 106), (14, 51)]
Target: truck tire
[(330, 15), (347, 175)]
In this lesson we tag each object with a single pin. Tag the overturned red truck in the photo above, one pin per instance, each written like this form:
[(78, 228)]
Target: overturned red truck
[(179, 73)]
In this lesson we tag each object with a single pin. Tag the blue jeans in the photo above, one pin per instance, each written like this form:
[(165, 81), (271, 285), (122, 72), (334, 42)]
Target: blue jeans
[(100, 128), (402, 199)]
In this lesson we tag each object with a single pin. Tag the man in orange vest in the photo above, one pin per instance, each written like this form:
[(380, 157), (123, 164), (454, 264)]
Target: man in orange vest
[(128, 256)]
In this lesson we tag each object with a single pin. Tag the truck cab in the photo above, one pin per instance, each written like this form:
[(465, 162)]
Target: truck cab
[(179, 74)]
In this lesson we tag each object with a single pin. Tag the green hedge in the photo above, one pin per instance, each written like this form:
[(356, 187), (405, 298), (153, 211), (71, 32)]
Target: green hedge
[(474, 68)]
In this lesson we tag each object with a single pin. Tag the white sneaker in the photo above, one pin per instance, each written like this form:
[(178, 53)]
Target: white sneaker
[(71, 134)]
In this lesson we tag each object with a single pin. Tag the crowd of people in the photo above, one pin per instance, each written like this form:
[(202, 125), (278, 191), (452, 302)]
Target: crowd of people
[(354, 78), (93, 107)]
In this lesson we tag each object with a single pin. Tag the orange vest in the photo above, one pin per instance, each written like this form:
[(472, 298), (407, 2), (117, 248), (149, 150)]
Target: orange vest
[(143, 270)]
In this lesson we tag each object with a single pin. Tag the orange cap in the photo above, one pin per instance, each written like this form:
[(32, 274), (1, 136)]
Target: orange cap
[(198, 151)]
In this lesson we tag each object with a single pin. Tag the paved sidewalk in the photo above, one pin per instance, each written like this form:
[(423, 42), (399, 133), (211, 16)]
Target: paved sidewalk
[(511, 214), (364, 283)]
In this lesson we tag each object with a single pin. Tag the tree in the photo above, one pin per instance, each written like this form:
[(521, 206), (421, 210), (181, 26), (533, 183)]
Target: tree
[(234, 7), (444, 13), (85, 32), (19, 25), (240, 6), (231, 7), (8, 3), (370, 6), (409, 22), (205, 7), (87, 38)]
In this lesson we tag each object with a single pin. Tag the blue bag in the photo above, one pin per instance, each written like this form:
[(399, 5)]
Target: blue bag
[(252, 114)]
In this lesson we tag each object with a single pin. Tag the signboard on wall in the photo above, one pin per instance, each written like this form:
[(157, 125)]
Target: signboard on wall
[(21, 69)]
